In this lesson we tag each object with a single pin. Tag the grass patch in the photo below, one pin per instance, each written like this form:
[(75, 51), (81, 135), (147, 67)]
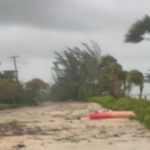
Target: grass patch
[(139, 106)]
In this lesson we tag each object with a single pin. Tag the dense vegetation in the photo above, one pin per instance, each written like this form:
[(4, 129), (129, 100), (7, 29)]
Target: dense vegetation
[(84, 72), (140, 107), (15, 94), (79, 73)]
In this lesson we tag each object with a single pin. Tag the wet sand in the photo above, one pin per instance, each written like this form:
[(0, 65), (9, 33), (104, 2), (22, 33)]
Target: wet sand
[(65, 126)]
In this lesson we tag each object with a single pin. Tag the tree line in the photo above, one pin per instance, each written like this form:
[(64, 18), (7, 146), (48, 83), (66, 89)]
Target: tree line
[(14, 94), (79, 73), (83, 72)]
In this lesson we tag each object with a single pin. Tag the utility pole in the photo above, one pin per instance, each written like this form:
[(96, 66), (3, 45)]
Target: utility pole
[(15, 67)]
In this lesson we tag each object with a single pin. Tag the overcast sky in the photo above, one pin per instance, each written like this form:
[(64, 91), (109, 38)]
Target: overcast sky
[(34, 29)]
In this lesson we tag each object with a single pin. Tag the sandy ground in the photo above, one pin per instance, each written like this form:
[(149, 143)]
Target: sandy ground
[(65, 126)]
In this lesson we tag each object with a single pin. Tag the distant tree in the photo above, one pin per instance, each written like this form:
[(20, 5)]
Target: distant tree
[(138, 30), (36, 84), (11, 93), (76, 72), (124, 79), (110, 75), (80, 73), (136, 77), (34, 88), (8, 74)]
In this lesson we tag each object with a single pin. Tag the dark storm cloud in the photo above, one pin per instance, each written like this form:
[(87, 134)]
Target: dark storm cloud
[(27, 12), (63, 14), (40, 13)]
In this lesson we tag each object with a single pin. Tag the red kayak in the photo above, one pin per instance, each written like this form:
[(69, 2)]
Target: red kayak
[(112, 114)]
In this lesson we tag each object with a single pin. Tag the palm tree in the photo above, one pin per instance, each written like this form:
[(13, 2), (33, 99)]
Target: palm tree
[(136, 77), (110, 70), (123, 76), (138, 30)]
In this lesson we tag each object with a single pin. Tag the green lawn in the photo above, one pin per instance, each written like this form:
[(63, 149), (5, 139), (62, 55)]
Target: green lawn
[(139, 106)]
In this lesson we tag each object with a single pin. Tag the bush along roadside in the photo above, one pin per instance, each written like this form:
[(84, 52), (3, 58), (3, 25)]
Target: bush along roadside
[(139, 106)]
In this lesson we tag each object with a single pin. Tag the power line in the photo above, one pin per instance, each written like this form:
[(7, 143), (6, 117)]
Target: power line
[(15, 67)]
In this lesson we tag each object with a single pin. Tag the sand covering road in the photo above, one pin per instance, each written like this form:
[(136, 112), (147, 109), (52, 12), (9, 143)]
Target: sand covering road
[(65, 126)]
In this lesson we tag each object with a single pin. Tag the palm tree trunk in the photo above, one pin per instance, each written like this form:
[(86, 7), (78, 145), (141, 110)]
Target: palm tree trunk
[(141, 90)]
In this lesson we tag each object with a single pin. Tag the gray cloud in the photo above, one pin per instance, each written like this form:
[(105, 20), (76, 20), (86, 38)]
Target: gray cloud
[(34, 29), (68, 15), (41, 13)]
